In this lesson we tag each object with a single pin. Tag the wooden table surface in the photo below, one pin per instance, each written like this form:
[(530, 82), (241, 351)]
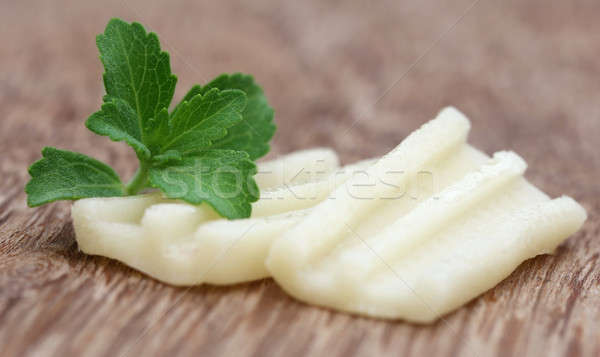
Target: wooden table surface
[(526, 72)]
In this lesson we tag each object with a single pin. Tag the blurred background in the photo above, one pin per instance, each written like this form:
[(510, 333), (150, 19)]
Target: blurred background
[(357, 76), (373, 70)]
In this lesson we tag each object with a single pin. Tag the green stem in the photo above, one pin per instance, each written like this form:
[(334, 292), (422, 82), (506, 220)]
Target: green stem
[(139, 180)]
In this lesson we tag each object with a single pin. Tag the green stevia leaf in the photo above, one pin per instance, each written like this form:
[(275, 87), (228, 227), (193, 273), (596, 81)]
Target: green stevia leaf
[(256, 129), (136, 70), (118, 121), (67, 175), (222, 178), (201, 120)]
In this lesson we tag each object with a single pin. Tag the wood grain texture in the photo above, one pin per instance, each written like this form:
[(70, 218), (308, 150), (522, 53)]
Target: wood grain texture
[(526, 72)]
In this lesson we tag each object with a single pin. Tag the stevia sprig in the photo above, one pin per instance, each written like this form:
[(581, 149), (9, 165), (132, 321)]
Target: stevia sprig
[(201, 151)]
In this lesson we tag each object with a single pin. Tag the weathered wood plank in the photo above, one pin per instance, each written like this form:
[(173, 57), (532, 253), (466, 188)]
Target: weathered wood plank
[(526, 72)]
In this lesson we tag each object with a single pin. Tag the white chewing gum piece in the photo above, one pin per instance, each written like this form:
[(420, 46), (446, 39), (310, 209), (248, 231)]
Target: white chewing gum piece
[(415, 227), (297, 168), (110, 226), (417, 258), (430, 180), (310, 239), (166, 222), (292, 197), (177, 242), (237, 249), (217, 252), (469, 257)]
